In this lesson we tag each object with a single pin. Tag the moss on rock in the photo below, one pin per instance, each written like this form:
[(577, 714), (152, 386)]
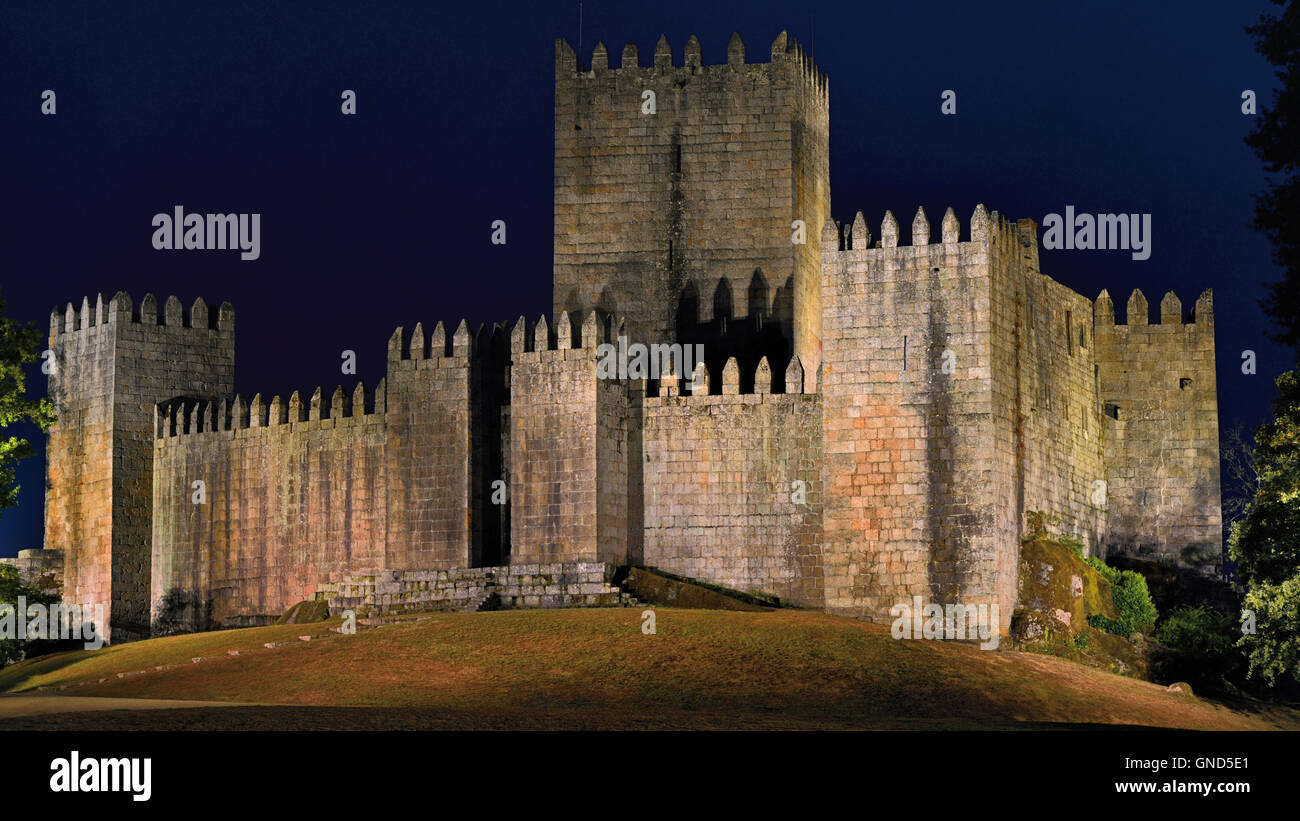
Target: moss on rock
[(1058, 593)]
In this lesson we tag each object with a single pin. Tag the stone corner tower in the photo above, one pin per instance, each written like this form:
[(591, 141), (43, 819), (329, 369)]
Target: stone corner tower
[(113, 366), (1160, 403)]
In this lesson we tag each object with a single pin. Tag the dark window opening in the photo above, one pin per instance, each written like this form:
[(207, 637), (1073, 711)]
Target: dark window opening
[(1069, 332), (904, 353), (1184, 384), (677, 163), (1112, 410)]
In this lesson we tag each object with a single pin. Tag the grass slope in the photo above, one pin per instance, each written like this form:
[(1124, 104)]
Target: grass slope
[(596, 669)]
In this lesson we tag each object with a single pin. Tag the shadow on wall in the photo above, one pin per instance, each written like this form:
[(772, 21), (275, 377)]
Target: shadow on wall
[(182, 611), (765, 331)]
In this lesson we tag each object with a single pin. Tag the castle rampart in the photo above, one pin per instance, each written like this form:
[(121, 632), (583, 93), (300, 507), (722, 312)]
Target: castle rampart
[(568, 462), (256, 504)]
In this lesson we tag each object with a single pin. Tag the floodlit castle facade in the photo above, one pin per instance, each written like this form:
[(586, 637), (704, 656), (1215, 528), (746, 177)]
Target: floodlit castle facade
[(878, 411)]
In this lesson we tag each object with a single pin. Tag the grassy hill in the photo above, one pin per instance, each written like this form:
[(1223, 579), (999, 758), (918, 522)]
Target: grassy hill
[(596, 669)]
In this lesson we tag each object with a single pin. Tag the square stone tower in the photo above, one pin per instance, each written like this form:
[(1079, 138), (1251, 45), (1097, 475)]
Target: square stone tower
[(680, 183), (113, 367)]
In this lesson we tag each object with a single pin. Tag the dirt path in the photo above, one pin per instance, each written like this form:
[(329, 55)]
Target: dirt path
[(19, 706)]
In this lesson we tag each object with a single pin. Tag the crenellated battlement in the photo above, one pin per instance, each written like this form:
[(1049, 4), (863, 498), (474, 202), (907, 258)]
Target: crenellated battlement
[(433, 349), (855, 238), (1137, 311), (191, 417), (560, 335), (120, 309), (784, 51), (699, 386)]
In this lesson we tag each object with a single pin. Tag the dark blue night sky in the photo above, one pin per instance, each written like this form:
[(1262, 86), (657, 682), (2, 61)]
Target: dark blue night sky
[(383, 219)]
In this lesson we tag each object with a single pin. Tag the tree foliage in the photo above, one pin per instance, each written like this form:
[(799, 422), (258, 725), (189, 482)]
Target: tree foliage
[(1273, 650), (1275, 139), (1265, 542), (19, 346)]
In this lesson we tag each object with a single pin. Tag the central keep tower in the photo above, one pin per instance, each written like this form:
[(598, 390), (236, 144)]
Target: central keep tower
[(678, 187)]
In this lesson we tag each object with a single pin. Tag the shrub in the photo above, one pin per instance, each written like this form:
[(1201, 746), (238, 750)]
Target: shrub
[(1106, 623), (1073, 542), (1137, 612), (1201, 645), (1199, 630), (1136, 609)]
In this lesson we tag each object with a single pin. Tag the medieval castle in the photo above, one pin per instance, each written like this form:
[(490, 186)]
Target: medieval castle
[(875, 418)]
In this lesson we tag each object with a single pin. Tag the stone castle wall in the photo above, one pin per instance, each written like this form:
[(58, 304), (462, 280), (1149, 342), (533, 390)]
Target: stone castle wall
[(291, 495), (431, 521), (298, 495), (1047, 428), (39, 568), (1047, 406), (720, 495), (79, 461), (555, 446)]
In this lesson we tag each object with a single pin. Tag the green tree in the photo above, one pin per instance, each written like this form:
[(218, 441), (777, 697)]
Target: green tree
[(1265, 542), (1275, 139), (20, 345)]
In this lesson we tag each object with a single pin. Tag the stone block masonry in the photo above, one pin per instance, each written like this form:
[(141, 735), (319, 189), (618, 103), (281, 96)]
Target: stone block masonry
[(561, 584), (40, 568), (568, 461), (733, 488), (879, 422), (430, 522), (287, 501), (299, 494)]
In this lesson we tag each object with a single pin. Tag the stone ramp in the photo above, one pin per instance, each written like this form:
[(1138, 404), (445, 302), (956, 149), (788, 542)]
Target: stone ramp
[(659, 587)]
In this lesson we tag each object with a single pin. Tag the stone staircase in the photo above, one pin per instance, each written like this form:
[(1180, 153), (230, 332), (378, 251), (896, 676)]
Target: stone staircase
[(520, 586)]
